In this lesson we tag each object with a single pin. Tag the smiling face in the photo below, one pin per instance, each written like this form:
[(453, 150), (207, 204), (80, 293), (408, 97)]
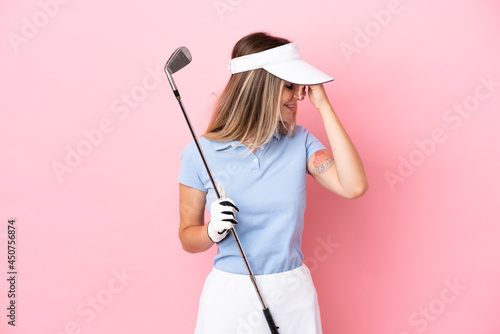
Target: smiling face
[(289, 96)]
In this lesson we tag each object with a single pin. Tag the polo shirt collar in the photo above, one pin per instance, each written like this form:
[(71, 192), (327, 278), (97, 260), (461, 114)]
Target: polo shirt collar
[(221, 145), (277, 135)]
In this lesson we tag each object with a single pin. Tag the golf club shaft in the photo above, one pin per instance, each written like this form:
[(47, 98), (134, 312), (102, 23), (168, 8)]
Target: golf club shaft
[(267, 313), (252, 277), (178, 97)]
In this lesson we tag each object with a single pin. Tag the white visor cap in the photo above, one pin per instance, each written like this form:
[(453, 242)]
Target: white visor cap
[(285, 62)]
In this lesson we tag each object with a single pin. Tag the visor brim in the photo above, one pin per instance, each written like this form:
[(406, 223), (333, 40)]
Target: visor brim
[(298, 72)]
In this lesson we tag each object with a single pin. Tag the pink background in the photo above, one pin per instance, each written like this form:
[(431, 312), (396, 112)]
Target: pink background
[(98, 250)]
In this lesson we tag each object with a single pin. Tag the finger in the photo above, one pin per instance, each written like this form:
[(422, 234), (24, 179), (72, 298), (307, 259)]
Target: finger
[(229, 203), (232, 221), (229, 213), (222, 191)]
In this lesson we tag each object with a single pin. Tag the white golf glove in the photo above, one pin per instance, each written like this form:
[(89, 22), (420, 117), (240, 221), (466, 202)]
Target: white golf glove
[(222, 216)]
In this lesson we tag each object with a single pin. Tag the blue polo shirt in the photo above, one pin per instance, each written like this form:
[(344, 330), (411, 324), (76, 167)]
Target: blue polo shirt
[(268, 187)]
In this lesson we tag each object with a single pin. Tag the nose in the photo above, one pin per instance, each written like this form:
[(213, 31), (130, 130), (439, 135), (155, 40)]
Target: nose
[(299, 92)]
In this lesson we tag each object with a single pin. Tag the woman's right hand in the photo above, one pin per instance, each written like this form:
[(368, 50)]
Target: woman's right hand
[(223, 216)]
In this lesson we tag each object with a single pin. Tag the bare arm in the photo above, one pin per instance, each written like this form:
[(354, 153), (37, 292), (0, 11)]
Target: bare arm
[(342, 173), (192, 229)]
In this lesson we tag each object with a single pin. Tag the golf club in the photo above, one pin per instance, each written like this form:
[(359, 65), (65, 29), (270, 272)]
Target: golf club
[(178, 60)]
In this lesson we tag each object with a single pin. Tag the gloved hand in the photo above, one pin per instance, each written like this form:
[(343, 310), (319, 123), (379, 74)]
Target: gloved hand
[(222, 216)]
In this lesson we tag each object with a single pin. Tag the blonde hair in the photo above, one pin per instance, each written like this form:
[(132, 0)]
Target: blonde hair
[(248, 109)]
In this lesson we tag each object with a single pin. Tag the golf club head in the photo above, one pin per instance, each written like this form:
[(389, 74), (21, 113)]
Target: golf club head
[(178, 60)]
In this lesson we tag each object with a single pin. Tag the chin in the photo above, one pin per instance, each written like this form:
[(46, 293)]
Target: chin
[(287, 128)]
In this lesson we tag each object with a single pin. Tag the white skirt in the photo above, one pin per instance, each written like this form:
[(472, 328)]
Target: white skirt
[(229, 303)]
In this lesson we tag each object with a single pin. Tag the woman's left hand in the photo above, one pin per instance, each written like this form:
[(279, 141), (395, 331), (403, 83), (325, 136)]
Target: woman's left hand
[(318, 97)]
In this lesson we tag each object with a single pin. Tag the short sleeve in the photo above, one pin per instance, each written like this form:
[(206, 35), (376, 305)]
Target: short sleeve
[(313, 145), (189, 173)]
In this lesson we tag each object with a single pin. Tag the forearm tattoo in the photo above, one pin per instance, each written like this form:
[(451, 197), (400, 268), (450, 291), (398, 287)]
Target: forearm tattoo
[(322, 162)]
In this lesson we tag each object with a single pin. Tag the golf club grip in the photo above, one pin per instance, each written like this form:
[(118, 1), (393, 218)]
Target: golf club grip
[(270, 321)]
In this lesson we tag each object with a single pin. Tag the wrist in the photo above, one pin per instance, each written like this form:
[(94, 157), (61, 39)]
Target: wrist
[(209, 231), (212, 233), (326, 109)]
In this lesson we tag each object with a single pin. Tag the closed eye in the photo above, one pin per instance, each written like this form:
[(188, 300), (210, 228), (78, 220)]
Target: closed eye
[(289, 87)]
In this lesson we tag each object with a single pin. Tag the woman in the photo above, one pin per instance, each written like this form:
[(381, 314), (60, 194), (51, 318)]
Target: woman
[(261, 157)]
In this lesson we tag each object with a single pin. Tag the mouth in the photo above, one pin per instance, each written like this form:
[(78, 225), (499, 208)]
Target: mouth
[(291, 107)]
